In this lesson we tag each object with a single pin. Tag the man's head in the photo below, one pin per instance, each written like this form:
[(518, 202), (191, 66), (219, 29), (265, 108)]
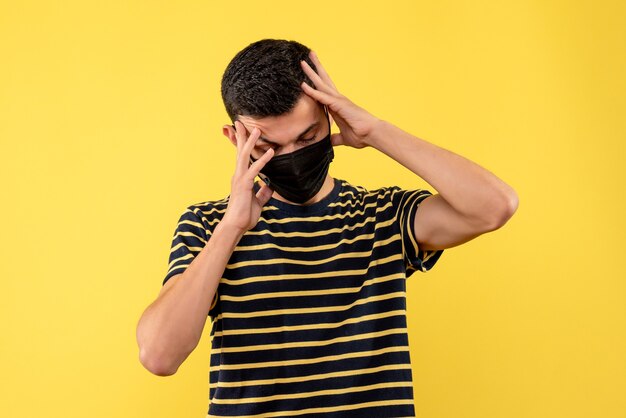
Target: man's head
[(261, 88), (263, 79)]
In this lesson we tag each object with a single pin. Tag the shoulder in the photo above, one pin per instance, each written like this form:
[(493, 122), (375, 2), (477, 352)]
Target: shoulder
[(361, 193), (387, 202), (206, 213), (209, 208)]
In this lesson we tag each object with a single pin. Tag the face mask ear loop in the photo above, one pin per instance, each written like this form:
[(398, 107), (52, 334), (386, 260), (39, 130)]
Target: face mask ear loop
[(327, 118), (330, 154)]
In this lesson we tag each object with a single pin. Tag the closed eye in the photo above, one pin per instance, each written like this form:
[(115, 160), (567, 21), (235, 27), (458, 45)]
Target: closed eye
[(305, 140), (277, 147)]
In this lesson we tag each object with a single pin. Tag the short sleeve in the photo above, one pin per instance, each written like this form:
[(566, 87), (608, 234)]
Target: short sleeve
[(407, 203), (190, 237)]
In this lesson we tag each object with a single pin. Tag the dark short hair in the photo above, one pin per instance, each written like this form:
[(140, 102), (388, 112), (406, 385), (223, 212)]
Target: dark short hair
[(264, 79)]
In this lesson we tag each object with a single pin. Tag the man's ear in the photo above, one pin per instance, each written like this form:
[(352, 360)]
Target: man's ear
[(230, 133)]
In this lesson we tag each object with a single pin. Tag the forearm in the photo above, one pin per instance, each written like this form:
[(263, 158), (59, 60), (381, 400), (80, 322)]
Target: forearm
[(171, 327), (469, 188)]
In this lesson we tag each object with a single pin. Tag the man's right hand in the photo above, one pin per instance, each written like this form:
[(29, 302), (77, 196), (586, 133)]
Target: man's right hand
[(244, 206)]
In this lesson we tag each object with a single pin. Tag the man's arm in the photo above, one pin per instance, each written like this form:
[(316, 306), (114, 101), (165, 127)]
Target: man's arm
[(470, 201), (171, 327)]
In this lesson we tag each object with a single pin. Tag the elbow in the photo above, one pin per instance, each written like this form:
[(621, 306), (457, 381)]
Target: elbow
[(504, 210), (156, 364), (158, 355), (152, 355)]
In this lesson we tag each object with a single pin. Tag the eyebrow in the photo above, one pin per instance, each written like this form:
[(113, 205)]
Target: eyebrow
[(311, 126)]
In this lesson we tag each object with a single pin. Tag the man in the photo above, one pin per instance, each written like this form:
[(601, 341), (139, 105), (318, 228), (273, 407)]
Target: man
[(304, 275)]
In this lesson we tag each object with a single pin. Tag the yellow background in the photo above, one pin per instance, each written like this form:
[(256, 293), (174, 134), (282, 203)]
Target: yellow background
[(110, 122)]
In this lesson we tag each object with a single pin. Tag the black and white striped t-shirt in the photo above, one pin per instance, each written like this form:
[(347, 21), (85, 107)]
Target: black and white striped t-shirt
[(309, 318)]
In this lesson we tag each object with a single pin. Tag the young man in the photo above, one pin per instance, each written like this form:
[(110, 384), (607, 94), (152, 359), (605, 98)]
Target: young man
[(303, 275)]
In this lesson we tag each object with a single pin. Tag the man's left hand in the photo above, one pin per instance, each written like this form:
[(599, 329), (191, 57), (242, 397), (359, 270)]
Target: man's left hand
[(355, 123)]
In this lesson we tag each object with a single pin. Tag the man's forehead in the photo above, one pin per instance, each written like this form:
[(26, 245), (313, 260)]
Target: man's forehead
[(288, 127)]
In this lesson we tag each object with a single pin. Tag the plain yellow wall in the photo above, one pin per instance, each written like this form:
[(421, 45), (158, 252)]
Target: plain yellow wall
[(110, 122)]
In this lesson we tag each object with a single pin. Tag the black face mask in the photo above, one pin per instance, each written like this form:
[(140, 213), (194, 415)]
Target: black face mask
[(299, 175)]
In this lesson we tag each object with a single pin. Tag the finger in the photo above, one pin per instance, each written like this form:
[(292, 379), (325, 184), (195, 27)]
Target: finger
[(242, 137), (264, 194), (246, 148), (250, 142), (320, 69), (236, 129), (257, 166), (239, 135), (319, 83), (317, 94)]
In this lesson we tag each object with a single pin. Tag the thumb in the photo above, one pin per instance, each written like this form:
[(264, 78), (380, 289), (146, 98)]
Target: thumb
[(264, 194)]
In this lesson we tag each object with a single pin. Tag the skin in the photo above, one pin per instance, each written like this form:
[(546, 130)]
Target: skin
[(470, 201)]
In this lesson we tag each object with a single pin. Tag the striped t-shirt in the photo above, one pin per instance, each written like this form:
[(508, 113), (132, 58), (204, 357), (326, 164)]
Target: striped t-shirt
[(309, 317)]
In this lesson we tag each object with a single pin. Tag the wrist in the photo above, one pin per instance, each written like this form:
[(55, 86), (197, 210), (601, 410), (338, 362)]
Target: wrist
[(229, 231), (376, 135)]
